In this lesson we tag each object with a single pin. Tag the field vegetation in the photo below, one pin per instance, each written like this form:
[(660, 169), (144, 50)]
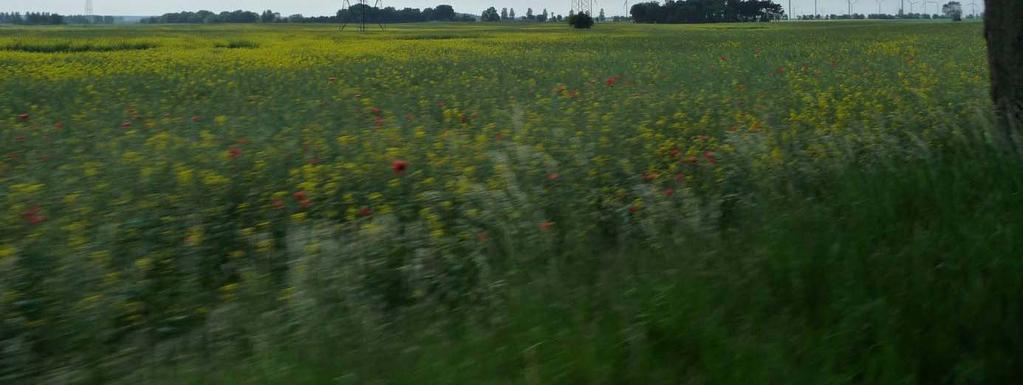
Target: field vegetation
[(784, 203)]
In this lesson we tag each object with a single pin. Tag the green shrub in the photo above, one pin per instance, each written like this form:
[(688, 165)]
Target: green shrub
[(580, 21)]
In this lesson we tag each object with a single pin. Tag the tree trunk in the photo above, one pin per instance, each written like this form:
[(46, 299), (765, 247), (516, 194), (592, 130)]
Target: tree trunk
[(1003, 28)]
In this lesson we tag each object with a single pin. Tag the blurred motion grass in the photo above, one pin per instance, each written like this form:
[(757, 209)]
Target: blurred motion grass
[(793, 203)]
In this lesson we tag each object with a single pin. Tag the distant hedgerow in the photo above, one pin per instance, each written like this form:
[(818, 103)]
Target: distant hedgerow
[(67, 46)]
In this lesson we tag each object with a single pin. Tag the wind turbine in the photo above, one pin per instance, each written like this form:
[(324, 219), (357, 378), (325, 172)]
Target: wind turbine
[(879, 6), (851, 2), (973, 6), (911, 4)]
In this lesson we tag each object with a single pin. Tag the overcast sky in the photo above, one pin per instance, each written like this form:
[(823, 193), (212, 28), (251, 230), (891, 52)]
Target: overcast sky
[(325, 7)]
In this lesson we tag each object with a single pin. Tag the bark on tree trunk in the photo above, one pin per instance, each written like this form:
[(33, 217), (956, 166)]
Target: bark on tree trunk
[(1003, 28)]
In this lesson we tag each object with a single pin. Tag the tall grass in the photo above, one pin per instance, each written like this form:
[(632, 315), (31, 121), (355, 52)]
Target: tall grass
[(901, 270)]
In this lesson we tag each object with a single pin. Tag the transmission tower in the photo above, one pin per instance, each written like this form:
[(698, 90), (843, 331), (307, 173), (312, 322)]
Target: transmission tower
[(88, 11), (361, 17), (583, 6)]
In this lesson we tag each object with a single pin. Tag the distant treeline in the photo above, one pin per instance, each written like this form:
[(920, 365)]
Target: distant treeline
[(355, 13), (706, 11), (878, 16), (46, 18)]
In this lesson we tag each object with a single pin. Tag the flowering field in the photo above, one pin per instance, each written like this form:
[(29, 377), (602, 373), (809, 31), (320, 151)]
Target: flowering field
[(528, 204)]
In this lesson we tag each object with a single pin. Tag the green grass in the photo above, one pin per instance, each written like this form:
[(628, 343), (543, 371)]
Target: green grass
[(902, 272)]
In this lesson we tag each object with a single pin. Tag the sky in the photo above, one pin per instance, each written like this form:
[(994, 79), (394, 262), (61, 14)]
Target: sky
[(326, 7)]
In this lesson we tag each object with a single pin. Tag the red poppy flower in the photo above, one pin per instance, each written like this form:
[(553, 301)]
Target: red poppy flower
[(234, 152), (680, 178), (611, 81), (633, 209), (58, 125), (376, 111), (553, 176), (277, 203), (668, 192), (365, 212), (709, 156), (23, 117), (33, 216), (650, 176), (126, 124), (546, 225), (399, 166), (196, 118), (301, 198), (723, 58)]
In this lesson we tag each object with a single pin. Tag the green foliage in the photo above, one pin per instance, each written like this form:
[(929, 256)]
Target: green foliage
[(580, 21), (237, 44), (491, 15), (69, 46)]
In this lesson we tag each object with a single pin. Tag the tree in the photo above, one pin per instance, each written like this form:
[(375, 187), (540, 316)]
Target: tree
[(601, 18), (1004, 33), (953, 10), (490, 15), (504, 13), (511, 14), (544, 15), (529, 14), (581, 20), (444, 12), (267, 16)]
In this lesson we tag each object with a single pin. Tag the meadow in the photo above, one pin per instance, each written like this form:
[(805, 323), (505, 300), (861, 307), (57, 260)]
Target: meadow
[(796, 203)]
